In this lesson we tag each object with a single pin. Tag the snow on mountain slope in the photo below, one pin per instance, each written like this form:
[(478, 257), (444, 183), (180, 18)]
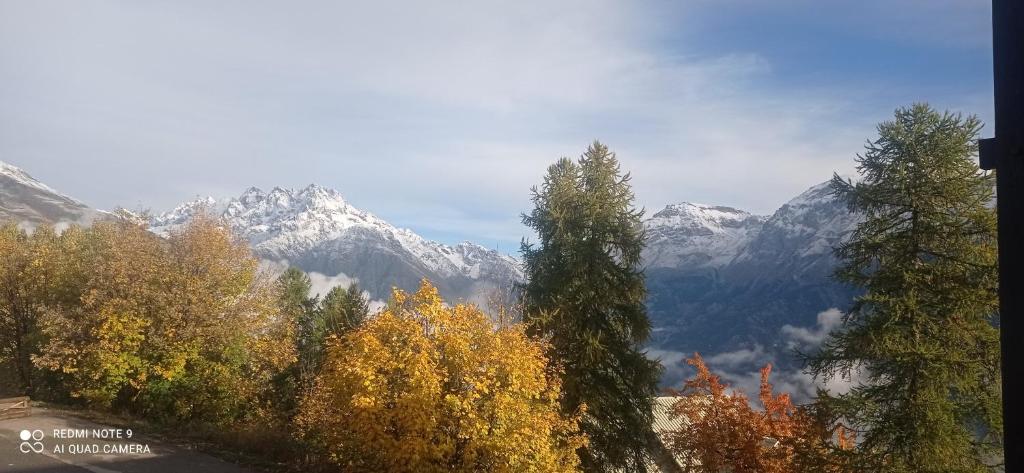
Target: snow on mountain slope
[(691, 236), (698, 235), (317, 230), (805, 229), (21, 177), (25, 200)]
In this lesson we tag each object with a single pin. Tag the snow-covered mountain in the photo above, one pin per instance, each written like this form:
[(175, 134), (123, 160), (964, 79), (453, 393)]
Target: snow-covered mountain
[(720, 279), (317, 230), (28, 202), (698, 235)]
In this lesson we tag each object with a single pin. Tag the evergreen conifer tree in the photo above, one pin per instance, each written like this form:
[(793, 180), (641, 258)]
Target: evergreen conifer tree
[(922, 341), (297, 304), (585, 294), (343, 310)]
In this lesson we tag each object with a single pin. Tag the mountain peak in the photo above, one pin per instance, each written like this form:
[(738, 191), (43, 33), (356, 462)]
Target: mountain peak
[(699, 235), (818, 194), (690, 208), (162, 223), (25, 200), (814, 221), (315, 188), (702, 217), (21, 177)]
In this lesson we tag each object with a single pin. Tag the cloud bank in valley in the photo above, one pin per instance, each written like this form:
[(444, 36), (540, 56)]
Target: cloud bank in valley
[(321, 284), (741, 368)]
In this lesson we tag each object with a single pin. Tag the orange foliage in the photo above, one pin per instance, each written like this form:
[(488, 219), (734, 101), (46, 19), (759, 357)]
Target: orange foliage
[(722, 432)]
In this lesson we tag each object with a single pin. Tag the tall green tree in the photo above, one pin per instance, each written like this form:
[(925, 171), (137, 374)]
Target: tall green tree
[(586, 296), (343, 310), (297, 304), (339, 312), (922, 341)]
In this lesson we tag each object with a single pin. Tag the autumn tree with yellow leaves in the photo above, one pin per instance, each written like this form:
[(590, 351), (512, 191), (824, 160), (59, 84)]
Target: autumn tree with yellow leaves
[(31, 279), (178, 329), (426, 387)]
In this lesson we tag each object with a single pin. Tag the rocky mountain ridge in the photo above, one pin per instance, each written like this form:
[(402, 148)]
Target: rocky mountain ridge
[(315, 229)]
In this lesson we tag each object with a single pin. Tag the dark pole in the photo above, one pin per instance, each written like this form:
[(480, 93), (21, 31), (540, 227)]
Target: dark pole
[(1005, 153)]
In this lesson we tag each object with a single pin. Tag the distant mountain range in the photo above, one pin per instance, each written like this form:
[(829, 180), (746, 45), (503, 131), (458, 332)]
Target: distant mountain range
[(316, 230), (719, 278)]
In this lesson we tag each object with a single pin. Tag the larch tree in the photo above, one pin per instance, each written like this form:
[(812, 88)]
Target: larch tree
[(585, 295), (338, 313), (343, 310), (923, 338), (297, 304)]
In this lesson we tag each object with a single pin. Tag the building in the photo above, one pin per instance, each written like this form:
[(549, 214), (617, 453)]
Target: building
[(662, 460)]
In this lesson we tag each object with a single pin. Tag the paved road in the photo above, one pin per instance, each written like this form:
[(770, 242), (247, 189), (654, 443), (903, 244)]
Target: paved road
[(86, 453)]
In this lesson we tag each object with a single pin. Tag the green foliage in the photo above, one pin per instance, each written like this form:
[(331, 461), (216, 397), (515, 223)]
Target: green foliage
[(923, 336), (295, 286), (343, 310), (586, 296), (296, 302), (207, 390), (339, 312)]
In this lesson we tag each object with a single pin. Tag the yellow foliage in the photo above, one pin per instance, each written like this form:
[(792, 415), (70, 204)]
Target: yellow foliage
[(425, 387), (29, 279), (184, 327)]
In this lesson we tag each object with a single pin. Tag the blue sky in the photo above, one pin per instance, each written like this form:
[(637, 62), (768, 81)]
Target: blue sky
[(439, 116)]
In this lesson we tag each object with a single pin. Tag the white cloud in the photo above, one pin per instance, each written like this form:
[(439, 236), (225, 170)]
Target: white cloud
[(674, 364), (320, 284), (436, 116), (742, 357), (431, 115), (804, 337)]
